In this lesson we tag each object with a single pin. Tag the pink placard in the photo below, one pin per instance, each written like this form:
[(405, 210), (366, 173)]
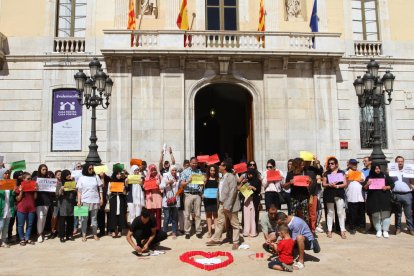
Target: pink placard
[(376, 183), (335, 177)]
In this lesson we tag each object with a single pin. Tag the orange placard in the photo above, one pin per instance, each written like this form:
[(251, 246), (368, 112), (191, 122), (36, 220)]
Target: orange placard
[(213, 159), (29, 186), (137, 162), (150, 185), (240, 168), (301, 180), (8, 184), (273, 175), (354, 175), (202, 158), (117, 187)]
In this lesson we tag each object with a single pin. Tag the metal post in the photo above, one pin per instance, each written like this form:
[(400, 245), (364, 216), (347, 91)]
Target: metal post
[(377, 154), (93, 156)]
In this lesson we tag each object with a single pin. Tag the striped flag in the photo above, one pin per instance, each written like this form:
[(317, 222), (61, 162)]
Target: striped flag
[(182, 20), (261, 27), (131, 19)]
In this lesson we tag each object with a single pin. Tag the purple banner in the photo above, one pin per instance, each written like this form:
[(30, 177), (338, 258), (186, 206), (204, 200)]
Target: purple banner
[(66, 121)]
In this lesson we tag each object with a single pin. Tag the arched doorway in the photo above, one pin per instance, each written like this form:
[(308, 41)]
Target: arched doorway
[(224, 122)]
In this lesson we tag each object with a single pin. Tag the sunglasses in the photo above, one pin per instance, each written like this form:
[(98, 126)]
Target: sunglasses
[(330, 163), (90, 169), (252, 164), (269, 167)]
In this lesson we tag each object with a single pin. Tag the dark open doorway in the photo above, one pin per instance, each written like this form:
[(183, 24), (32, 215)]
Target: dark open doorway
[(224, 122)]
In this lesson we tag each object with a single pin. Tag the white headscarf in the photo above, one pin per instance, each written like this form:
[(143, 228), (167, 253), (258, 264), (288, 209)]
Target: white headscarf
[(133, 168)]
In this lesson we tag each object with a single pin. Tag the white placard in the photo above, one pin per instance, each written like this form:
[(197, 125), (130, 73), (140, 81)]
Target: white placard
[(76, 174), (408, 171), (393, 169), (46, 184)]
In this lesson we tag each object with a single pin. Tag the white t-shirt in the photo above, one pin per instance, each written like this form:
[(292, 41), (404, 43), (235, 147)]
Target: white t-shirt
[(88, 187), (354, 190), (275, 186)]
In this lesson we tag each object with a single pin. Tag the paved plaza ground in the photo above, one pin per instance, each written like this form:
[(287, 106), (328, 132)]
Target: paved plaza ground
[(358, 255)]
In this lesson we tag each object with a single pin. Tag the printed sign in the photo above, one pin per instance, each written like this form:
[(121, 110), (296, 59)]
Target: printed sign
[(46, 184), (240, 168), (210, 193), (408, 171), (335, 177), (354, 175), (134, 179), (273, 175), (117, 187), (393, 169), (82, 211), (301, 180), (70, 186), (197, 179), (28, 186), (202, 158), (66, 121), (7, 184), (100, 169), (213, 159), (150, 185), (376, 183), (246, 192), (306, 155)]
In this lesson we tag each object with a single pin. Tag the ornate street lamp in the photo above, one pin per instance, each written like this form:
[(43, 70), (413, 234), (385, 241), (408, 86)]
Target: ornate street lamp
[(92, 92), (370, 90)]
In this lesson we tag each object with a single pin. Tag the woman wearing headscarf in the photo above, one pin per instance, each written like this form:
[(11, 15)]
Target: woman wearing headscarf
[(66, 202), (170, 202), (90, 194), (250, 203), (43, 202), (136, 196), (117, 206), (379, 200), (153, 197)]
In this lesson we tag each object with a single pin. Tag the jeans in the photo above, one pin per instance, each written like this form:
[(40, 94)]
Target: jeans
[(94, 222), (23, 218), (383, 218), (4, 228), (406, 201), (170, 214)]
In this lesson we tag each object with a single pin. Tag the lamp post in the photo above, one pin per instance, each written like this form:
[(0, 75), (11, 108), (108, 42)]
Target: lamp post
[(93, 91), (370, 90)]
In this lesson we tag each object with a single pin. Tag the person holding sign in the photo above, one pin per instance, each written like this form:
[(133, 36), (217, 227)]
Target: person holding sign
[(254, 185), (66, 197), (26, 210), (334, 182), (117, 204), (153, 196), (7, 209), (164, 166), (403, 192), (379, 199), (43, 202), (210, 198), (355, 197), (170, 202), (135, 196), (272, 184), (90, 195), (192, 198)]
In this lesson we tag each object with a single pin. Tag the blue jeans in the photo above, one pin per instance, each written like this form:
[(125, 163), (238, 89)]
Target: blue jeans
[(23, 218), (406, 201), (4, 228), (170, 214)]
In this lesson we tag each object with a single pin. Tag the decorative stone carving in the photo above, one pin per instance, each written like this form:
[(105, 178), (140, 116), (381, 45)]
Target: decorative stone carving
[(148, 7), (293, 9)]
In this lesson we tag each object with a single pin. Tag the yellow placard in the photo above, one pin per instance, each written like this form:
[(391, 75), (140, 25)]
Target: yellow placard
[(134, 179), (306, 155), (197, 179), (100, 169), (245, 191), (70, 186)]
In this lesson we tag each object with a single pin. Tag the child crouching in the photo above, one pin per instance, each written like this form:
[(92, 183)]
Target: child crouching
[(284, 249)]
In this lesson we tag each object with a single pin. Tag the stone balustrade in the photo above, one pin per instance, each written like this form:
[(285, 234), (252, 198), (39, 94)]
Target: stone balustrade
[(69, 45), (368, 48)]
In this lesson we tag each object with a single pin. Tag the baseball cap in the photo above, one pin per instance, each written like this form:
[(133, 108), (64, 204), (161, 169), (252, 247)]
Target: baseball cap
[(353, 161)]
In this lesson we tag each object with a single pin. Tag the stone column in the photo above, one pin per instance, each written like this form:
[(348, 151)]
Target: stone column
[(121, 14), (200, 21), (322, 14), (172, 9)]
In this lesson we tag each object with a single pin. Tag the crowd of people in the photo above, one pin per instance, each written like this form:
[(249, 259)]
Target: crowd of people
[(141, 204)]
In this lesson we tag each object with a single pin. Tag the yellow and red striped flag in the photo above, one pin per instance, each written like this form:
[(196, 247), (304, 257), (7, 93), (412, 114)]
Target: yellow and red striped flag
[(182, 20), (261, 27), (131, 19)]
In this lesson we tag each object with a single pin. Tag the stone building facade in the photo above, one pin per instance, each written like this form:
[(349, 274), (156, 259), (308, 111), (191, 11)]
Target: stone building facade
[(297, 85)]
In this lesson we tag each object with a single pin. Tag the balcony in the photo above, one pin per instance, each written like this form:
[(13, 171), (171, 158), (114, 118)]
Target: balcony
[(219, 42), (368, 48), (2, 50), (69, 45)]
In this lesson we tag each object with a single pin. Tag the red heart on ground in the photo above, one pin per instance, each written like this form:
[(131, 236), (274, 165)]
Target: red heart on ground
[(188, 257)]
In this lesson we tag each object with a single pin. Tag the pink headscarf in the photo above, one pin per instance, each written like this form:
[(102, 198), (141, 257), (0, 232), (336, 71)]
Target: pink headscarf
[(150, 168)]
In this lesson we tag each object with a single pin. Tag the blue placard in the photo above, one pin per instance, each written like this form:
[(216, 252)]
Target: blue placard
[(210, 193)]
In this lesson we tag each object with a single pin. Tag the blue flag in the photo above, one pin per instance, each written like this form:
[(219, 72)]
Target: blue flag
[(314, 18)]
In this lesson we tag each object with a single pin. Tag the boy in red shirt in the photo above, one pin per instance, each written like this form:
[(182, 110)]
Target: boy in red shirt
[(284, 248)]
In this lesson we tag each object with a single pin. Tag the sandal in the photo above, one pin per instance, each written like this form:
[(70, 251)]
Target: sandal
[(287, 268), (30, 242), (22, 243), (84, 239), (343, 235), (329, 234), (95, 237)]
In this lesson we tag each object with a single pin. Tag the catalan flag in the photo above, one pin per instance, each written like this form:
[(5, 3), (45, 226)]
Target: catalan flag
[(131, 19), (182, 20), (261, 27)]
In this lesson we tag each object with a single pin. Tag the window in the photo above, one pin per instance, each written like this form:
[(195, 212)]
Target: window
[(366, 125), (365, 20), (221, 15), (71, 18)]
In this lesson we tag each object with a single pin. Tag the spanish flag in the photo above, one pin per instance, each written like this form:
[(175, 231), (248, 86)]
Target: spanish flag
[(182, 20), (131, 19), (261, 27)]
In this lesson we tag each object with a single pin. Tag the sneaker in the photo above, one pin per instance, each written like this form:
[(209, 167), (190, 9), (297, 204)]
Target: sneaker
[(352, 231), (298, 266), (316, 246), (379, 234), (40, 239), (62, 240), (187, 236), (385, 234), (200, 236), (319, 229)]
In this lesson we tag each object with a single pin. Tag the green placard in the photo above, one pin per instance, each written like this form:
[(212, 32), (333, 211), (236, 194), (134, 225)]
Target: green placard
[(82, 211)]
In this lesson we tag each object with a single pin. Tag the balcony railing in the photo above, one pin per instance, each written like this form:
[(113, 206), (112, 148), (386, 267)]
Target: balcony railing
[(222, 41), (368, 48), (69, 44)]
